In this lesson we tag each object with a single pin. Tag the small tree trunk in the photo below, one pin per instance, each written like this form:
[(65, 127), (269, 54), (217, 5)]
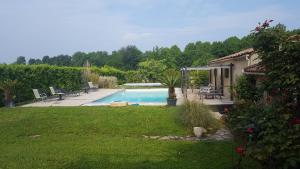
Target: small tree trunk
[(172, 94)]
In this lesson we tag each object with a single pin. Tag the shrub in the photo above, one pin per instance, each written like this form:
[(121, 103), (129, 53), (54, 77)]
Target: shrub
[(195, 114), (8, 88), (274, 134), (43, 76), (134, 77), (40, 77), (245, 89), (88, 76), (272, 123), (110, 71), (107, 82)]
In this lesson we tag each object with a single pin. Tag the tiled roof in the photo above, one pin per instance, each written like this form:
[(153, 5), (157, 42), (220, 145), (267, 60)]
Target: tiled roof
[(256, 68), (294, 38), (232, 56)]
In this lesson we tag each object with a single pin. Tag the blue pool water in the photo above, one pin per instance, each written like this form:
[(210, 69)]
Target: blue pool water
[(137, 96)]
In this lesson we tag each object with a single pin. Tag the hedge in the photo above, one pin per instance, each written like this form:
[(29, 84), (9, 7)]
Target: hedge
[(43, 76)]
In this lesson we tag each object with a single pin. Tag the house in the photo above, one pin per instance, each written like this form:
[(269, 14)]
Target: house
[(225, 71)]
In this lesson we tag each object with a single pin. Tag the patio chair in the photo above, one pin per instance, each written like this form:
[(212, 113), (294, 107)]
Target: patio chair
[(92, 86), (58, 93), (38, 95), (215, 93), (204, 91)]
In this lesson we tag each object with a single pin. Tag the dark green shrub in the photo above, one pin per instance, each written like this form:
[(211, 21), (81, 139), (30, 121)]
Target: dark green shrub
[(43, 76), (246, 89), (40, 77)]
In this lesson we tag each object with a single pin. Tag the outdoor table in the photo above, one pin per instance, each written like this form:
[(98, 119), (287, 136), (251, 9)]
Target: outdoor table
[(85, 90), (60, 96)]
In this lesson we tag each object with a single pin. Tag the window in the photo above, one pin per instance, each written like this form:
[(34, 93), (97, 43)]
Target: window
[(226, 73)]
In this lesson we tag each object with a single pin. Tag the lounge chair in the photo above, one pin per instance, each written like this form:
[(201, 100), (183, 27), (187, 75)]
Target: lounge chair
[(58, 93), (92, 86), (38, 95)]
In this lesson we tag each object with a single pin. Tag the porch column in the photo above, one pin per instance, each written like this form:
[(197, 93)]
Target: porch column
[(231, 80), (222, 81)]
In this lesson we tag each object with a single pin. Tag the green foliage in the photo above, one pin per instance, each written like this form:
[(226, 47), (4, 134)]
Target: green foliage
[(21, 60), (195, 114), (274, 119), (170, 78), (246, 89), (198, 78), (110, 71), (129, 57), (43, 76), (7, 86), (150, 70), (40, 77), (134, 76), (275, 141)]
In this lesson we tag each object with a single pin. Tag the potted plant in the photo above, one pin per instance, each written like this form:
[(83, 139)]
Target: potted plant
[(8, 88), (170, 78)]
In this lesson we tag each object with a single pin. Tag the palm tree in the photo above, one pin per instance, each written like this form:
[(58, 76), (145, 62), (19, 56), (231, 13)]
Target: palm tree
[(170, 78)]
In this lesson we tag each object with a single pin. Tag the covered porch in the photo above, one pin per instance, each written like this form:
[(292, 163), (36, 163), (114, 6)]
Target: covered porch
[(219, 78)]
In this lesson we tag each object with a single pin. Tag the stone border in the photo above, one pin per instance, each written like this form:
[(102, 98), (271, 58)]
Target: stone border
[(221, 134)]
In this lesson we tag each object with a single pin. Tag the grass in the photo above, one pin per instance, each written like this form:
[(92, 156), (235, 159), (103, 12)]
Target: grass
[(102, 137), (195, 114)]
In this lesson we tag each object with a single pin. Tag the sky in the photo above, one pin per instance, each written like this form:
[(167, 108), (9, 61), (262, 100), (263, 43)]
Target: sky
[(35, 28)]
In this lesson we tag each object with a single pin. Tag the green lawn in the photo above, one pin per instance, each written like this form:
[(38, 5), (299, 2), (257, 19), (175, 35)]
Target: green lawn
[(102, 137)]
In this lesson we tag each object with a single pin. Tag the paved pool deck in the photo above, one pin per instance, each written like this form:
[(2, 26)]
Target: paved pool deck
[(85, 98)]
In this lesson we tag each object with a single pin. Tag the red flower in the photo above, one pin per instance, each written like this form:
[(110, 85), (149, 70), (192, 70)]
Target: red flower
[(295, 121), (257, 28), (249, 130), (226, 110), (240, 150)]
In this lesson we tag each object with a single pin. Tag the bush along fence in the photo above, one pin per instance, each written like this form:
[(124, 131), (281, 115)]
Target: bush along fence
[(43, 76)]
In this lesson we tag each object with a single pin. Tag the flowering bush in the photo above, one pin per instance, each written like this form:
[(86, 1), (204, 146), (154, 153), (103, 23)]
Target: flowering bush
[(270, 126)]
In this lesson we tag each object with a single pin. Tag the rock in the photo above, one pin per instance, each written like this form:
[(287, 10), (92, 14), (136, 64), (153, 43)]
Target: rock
[(164, 138), (154, 137), (190, 139), (35, 136), (199, 131)]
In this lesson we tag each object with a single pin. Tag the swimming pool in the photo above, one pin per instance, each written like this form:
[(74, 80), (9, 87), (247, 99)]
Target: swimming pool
[(136, 96)]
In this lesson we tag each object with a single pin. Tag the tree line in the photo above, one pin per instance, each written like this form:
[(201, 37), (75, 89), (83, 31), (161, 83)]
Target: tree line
[(128, 58)]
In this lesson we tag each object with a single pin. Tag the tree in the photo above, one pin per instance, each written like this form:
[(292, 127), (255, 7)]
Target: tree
[(46, 60), (151, 70), (21, 60), (130, 55), (79, 58), (34, 61)]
